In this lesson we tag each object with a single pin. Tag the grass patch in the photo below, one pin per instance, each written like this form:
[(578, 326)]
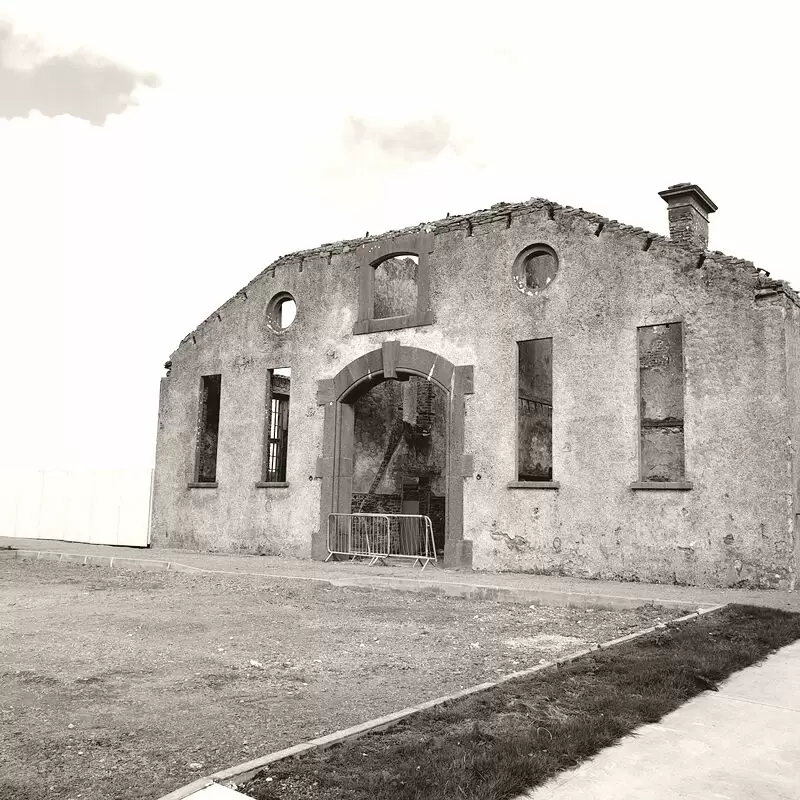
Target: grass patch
[(498, 743)]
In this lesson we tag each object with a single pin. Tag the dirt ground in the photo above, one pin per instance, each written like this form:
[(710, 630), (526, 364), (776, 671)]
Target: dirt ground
[(117, 685)]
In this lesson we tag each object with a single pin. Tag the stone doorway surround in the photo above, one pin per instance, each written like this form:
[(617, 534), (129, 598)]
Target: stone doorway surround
[(335, 467)]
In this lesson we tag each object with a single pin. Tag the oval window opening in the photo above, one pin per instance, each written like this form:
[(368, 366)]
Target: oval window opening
[(287, 311), (535, 268), (281, 312)]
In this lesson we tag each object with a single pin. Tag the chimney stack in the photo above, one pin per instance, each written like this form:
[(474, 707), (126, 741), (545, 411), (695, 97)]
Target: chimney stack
[(689, 207)]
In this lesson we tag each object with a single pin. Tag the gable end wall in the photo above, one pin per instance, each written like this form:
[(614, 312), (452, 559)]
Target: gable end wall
[(731, 528)]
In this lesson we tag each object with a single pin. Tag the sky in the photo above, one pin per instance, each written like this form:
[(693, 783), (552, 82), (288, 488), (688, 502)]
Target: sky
[(155, 155)]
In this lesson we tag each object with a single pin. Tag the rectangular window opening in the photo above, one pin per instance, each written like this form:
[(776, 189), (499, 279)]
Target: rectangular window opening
[(208, 429), (276, 425), (535, 410), (661, 451), (395, 287)]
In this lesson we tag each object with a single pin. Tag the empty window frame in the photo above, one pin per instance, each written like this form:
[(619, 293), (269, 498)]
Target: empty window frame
[(394, 283), (281, 311), (535, 268), (661, 448), (276, 425), (395, 287), (535, 411), (205, 470)]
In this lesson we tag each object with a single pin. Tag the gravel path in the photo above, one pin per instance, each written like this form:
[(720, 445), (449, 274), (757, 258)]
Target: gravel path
[(117, 685)]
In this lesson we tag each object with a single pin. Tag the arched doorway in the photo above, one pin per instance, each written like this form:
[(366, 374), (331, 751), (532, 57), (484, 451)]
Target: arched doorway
[(341, 395), (400, 451)]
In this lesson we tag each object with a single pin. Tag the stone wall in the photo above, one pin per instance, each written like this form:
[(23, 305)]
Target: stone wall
[(734, 526), (792, 332)]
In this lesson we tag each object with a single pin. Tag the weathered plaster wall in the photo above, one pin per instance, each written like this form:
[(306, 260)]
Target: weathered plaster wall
[(732, 527), (792, 333), (239, 344)]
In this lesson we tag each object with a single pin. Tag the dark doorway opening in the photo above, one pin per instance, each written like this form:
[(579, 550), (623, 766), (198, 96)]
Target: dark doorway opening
[(400, 451)]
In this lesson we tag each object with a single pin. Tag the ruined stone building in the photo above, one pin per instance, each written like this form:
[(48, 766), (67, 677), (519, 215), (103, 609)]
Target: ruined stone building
[(559, 392)]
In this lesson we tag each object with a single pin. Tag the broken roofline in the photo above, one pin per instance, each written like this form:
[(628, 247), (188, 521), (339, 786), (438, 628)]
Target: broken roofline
[(497, 212)]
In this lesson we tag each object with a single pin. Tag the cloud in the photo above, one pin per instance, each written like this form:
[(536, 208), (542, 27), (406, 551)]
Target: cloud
[(79, 84), (415, 140)]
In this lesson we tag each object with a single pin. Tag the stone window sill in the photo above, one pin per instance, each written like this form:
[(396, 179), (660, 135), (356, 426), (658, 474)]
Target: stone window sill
[(393, 323), (533, 485), (663, 485), (195, 485), (272, 484)]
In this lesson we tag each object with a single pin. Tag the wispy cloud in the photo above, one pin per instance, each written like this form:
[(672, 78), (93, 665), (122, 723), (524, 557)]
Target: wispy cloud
[(79, 84), (414, 140)]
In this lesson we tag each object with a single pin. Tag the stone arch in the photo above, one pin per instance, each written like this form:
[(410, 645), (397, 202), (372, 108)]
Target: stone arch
[(335, 467)]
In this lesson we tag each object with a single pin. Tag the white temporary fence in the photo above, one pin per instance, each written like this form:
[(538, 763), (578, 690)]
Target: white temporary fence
[(92, 506), (381, 536)]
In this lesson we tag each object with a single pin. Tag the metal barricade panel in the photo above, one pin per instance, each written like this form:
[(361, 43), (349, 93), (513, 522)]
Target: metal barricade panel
[(381, 536), (358, 535)]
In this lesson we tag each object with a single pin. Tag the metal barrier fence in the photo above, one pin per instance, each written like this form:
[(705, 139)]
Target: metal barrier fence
[(412, 537), (365, 535), (381, 536)]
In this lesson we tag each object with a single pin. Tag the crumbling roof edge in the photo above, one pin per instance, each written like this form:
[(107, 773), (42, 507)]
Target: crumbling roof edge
[(773, 286), (498, 212)]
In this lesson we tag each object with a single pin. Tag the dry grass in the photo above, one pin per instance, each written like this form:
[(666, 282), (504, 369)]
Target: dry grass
[(497, 744)]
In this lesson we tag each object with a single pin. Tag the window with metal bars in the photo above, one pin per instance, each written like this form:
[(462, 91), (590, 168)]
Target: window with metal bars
[(278, 435), (276, 426)]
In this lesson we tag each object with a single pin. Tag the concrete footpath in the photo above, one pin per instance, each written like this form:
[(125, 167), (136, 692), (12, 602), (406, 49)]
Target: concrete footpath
[(511, 587), (741, 743)]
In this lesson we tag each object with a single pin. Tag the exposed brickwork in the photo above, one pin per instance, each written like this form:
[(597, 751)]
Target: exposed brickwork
[(687, 227), (376, 503), (769, 287), (689, 207)]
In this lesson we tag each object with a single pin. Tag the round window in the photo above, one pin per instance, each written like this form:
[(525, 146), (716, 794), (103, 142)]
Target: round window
[(535, 268), (281, 312)]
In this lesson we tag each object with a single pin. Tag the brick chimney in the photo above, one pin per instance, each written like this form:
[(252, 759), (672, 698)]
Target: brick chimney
[(689, 207)]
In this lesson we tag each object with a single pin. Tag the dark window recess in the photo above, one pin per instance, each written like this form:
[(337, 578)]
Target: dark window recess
[(539, 269), (395, 287), (277, 426), (661, 454), (208, 429), (535, 268), (535, 411)]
